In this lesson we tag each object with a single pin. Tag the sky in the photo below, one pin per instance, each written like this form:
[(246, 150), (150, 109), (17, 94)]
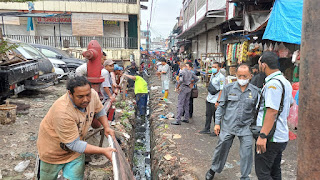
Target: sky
[(164, 16)]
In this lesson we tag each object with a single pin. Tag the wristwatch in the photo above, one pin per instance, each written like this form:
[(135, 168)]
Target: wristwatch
[(262, 135)]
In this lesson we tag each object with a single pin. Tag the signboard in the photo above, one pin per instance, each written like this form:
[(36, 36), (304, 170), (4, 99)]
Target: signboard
[(84, 24), (111, 23), (53, 20)]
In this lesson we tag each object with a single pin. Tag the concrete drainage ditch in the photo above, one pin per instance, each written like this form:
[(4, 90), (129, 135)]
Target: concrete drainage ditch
[(141, 157)]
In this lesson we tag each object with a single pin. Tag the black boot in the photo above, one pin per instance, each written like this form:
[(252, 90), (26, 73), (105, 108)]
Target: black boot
[(176, 123), (210, 175)]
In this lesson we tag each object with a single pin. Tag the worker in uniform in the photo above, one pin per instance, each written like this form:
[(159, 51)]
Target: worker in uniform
[(218, 81), (185, 84), (234, 115)]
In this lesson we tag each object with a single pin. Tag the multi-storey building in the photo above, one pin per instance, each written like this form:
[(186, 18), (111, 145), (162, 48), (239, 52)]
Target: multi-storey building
[(72, 24)]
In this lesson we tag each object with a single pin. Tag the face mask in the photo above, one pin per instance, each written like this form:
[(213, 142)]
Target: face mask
[(243, 82), (214, 70)]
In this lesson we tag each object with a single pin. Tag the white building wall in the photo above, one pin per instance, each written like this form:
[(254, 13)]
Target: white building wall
[(202, 43), (213, 44)]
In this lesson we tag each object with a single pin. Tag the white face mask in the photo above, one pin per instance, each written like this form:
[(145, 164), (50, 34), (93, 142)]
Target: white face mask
[(243, 82)]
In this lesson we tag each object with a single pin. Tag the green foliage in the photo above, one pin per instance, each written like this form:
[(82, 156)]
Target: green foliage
[(5, 46)]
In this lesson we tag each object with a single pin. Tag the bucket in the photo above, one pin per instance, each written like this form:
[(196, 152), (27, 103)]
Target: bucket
[(8, 113)]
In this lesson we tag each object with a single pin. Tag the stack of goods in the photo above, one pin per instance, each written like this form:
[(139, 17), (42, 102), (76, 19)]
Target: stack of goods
[(243, 52), (233, 53)]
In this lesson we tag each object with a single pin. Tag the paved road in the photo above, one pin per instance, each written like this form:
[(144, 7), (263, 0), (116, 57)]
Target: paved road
[(197, 149)]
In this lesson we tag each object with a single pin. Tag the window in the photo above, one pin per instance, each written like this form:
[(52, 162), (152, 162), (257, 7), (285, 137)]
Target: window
[(49, 54)]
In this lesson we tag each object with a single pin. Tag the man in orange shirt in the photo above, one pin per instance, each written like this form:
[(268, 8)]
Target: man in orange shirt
[(61, 144)]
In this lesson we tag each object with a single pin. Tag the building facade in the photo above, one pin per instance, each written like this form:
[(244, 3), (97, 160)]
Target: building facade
[(73, 24)]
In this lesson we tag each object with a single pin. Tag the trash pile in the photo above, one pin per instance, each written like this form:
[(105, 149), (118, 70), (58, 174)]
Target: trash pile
[(165, 162)]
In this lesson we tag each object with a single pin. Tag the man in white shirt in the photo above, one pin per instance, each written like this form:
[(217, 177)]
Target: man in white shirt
[(269, 147), (218, 80)]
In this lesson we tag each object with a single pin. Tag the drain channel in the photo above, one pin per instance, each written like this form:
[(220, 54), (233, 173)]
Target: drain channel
[(141, 157)]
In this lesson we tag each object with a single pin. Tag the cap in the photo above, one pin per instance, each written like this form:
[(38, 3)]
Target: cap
[(117, 67), (108, 62)]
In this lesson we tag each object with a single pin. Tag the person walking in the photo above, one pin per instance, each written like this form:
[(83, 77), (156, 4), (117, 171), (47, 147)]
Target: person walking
[(191, 68), (164, 72), (60, 143), (276, 100), (234, 115), (217, 82), (185, 84)]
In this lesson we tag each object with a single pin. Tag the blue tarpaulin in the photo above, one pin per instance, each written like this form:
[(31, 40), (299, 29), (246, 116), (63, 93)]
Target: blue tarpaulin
[(285, 22)]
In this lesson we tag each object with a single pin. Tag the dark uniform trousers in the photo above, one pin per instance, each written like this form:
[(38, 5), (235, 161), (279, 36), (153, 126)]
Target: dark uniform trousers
[(210, 113)]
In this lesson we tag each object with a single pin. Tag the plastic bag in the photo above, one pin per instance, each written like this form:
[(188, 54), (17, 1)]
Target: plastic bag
[(293, 116)]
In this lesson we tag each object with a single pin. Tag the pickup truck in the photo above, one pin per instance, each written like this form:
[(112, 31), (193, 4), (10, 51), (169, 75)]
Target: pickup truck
[(34, 71), (13, 77)]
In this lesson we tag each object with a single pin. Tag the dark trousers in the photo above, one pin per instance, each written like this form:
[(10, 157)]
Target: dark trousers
[(268, 164), (141, 100), (190, 107), (210, 113)]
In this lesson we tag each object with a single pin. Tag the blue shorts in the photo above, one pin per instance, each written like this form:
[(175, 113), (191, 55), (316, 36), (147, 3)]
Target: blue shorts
[(165, 85), (73, 170)]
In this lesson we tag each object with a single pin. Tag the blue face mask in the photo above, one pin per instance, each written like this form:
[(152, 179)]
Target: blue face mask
[(214, 70)]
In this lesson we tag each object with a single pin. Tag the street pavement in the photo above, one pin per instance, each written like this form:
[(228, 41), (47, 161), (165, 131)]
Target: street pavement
[(196, 150)]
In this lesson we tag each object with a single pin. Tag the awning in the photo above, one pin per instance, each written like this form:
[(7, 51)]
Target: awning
[(23, 14), (285, 22)]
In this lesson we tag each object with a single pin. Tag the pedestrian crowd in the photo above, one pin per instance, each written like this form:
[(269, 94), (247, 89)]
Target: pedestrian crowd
[(254, 108)]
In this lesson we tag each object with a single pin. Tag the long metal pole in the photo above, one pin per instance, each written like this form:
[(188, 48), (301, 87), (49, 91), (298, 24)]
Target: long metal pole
[(60, 32), (309, 96), (4, 31)]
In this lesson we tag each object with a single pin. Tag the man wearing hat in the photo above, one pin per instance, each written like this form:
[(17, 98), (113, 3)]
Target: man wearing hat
[(106, 86), (118, 70), (114, 74)]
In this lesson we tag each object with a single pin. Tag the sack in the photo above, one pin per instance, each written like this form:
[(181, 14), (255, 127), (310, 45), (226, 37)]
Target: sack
[(212, 90), (293, 116), (194, 92)]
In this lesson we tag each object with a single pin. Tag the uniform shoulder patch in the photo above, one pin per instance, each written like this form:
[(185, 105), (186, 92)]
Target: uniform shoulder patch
[(272, 87)]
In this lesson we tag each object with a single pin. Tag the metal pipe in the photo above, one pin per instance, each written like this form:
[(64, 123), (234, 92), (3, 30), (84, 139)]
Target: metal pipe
[(309, 96), (60, 31), (4, 31)]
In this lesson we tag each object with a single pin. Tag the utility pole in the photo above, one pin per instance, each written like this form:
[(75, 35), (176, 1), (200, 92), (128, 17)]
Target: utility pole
[(309, 96)]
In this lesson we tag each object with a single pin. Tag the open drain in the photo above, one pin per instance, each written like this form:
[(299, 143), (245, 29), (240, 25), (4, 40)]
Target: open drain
[(141, 157)]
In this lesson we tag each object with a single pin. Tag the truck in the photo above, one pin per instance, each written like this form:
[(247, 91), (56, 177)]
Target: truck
[(13, 77), (24, 68)]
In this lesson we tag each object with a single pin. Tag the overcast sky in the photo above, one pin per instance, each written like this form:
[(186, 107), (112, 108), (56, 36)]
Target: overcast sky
[(164, 16)]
